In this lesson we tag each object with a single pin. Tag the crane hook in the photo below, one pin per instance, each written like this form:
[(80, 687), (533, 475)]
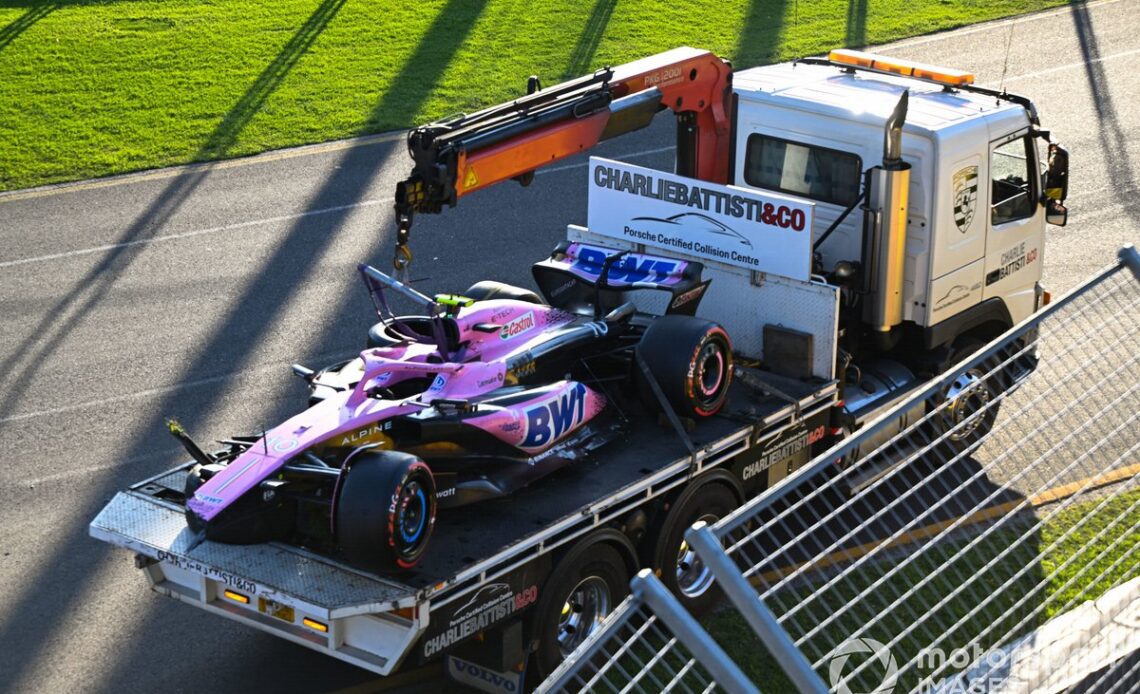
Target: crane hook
[(402, 257)]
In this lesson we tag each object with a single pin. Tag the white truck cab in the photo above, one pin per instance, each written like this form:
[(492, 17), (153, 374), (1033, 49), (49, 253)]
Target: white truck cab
[(974, 231)]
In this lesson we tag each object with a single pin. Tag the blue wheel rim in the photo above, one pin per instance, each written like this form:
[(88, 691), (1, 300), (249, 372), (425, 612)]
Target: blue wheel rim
[(420, 499)]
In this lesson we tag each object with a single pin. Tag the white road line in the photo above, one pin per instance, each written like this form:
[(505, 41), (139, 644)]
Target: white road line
[(119, 398), (209, 167), (188, 234), (1070, 66), (91, 469), (267, 220), (166, 389), (955, 34)]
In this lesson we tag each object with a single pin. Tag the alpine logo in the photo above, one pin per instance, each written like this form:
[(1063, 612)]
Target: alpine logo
[(518, 326), (554, 417)]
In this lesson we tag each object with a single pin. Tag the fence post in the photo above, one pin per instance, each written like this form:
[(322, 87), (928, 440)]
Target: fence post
[(731, 580), (648, 588)]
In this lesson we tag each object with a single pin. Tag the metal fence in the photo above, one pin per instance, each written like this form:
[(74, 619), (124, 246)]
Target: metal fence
[(649, 644), (991, 544)]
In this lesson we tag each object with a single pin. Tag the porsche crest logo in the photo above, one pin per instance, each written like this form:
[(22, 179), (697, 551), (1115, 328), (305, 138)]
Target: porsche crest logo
[(965, 197)]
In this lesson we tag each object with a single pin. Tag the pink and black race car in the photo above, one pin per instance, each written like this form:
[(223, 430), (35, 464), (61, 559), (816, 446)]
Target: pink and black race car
[(481, 395)]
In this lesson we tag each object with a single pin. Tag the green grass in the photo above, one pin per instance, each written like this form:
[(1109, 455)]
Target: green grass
[(1071, 572), (90, 88)]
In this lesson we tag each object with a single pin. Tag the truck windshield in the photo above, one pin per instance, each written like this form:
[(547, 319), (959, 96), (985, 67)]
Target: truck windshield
[(819, 173)]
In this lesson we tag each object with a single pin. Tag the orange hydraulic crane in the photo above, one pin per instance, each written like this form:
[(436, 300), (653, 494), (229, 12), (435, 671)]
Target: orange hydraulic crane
[(466, 153)]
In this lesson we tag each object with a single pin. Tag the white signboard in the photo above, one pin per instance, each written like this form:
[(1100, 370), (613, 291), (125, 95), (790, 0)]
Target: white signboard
[(747, 228)]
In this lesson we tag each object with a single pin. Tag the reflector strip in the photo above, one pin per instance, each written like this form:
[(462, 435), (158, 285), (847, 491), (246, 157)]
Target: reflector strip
[(313, 624), (906, 68)]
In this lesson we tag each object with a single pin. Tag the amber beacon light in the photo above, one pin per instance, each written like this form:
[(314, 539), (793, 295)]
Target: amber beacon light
[(906, 68)]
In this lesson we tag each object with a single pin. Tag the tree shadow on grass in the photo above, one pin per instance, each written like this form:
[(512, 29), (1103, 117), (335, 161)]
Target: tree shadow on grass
[(590, 39), (856, 36), (252, 316), (25, 21), (759, 40)]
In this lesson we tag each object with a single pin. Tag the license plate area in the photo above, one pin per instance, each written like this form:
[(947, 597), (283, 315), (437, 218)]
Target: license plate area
[(277, 610)]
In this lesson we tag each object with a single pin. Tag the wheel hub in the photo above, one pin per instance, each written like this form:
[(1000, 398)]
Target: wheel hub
[(966, 401), (585, 608), (693, 577)]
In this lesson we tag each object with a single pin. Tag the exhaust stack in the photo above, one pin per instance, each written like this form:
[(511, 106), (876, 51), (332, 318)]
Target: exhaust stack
[(885, 228)]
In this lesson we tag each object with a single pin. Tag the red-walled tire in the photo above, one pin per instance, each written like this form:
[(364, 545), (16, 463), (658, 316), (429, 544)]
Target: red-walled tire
[(691, 358), (384, 510)]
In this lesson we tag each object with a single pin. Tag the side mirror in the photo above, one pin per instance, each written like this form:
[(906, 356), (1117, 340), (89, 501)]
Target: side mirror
[(1056, 213), (1057, 175)]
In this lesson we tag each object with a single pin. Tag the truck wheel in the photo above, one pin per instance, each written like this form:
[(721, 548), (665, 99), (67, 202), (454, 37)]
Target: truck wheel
[(691, 359), (384, 510), (678, 565), (583, 589), (490, 289), (968, 400), (249, 520)]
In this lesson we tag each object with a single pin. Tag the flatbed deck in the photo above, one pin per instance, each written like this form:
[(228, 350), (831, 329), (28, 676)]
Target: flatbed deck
[(470, 545)]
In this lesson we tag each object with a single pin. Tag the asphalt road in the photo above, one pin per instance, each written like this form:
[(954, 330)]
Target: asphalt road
[(189, 292)]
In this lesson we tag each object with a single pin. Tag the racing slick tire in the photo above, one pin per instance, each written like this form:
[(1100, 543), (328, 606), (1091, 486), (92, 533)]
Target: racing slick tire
[(585, 586), (691, 359), (249, 520), (490, 289), (384, 510), (678, 565)]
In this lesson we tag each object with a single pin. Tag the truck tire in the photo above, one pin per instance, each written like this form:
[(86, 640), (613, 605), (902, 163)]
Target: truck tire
[(691, 359), (969, 400), (249, 520), (675, 562), (490, 289), (585, 586), (384, 510)]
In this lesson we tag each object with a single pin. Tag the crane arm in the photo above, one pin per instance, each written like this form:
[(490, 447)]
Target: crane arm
[(460, 155)]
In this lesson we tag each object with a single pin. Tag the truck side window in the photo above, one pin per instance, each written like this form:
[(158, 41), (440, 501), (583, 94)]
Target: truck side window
[(1011, 182), (827, 175)]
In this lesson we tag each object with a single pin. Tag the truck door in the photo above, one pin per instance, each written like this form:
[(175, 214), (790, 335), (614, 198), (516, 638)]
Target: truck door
[(1016, 223)]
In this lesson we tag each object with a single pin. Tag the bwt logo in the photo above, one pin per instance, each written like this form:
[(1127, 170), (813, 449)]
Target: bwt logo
[(631, 268), (551, 419)]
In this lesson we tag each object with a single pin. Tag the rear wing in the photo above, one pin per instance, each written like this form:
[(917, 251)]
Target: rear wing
[(571, 278)]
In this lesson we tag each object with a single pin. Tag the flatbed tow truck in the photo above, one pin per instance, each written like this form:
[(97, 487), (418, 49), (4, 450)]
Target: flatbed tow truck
[(836, 315)]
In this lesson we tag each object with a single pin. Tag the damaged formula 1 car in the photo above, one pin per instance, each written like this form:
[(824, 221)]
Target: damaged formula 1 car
[(478, 397)]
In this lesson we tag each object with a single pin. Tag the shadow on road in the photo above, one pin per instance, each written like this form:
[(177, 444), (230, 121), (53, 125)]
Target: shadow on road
[(254, 314), (1113, 138), (43, 341)]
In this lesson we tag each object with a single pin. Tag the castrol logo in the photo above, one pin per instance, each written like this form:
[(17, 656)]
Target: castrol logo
[(518, 326)]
